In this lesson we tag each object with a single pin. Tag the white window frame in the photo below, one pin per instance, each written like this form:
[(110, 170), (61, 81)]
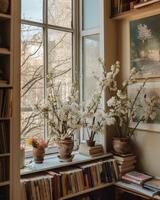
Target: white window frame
[(90, 32)]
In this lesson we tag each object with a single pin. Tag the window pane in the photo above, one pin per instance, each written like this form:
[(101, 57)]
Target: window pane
[(60, 59), (32, 81), (60, 12), (91, 53), (32, 10), (91, 14), (90, 64)]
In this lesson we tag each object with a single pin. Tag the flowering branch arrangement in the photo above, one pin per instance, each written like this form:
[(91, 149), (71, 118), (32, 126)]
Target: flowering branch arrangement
[(63, 116), (125, 109), (93, 118), (37, 143)]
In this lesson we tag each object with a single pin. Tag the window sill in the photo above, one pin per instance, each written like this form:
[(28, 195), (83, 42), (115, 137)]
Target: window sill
[(52, 162)]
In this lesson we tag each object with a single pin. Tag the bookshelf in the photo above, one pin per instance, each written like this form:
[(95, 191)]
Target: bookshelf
[(5, 90), (72, 181), (9, 81), (149, 8)]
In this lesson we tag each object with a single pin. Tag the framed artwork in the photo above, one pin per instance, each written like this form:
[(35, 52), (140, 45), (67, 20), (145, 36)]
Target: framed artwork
[(145, 46), (149, 90)]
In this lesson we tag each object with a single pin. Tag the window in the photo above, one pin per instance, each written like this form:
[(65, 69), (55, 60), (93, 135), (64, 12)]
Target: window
[(91, 48), (48, 35), (50, 41)]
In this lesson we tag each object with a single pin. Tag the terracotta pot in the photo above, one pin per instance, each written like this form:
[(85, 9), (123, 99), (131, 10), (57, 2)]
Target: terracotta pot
[(4, 6), (38, 155), (65, 147), (121, 145), (90, 143)]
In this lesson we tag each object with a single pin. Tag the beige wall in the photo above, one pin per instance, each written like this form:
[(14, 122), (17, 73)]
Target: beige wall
[(147, 144)]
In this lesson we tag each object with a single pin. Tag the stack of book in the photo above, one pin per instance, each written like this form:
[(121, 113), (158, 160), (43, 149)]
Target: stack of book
[(136, 177), (126, 163), (153, 185), (37, 188), (95, 151)]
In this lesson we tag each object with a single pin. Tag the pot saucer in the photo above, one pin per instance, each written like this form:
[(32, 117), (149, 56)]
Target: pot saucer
[(66, 160)]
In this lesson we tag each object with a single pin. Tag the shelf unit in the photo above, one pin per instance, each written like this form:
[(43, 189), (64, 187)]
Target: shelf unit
[(152, 8), (9, 65), (79, 159)]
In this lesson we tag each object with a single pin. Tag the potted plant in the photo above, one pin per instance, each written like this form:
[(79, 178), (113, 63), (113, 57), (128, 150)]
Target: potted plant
[(39, 146), (63, 117), (125, 109), (95, 118)]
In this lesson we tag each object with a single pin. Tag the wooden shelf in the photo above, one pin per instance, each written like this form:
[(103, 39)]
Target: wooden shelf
[(4, 183), (4, 17), (152, 8), (87, 191), (4, 51), (5, 155), (7, 86), (5, 118)]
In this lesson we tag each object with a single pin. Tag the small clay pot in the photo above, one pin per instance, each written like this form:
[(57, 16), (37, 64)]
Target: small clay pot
[(65, 147), (91, 143), (121, 145), (4, 6), (38, 155)]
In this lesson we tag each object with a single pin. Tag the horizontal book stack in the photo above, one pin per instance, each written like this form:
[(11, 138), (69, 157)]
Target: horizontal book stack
[(37, 188), (153, 185), (136, 177), (4, 137), (95, 151), (125, 163)]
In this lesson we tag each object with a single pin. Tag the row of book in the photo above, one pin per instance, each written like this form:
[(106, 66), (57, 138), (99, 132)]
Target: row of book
[(125, 163), (5, 103), (4, 169), (70, 181), (142, 179), (4, 137), (119, 6), (37, 188)]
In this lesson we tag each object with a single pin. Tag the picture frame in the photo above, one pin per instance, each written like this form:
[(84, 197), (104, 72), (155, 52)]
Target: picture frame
[(150, 89), (145, 46)]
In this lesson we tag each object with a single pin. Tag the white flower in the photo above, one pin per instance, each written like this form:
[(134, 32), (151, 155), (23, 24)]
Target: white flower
[(144, 33), (111, 102), (121, 95)]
